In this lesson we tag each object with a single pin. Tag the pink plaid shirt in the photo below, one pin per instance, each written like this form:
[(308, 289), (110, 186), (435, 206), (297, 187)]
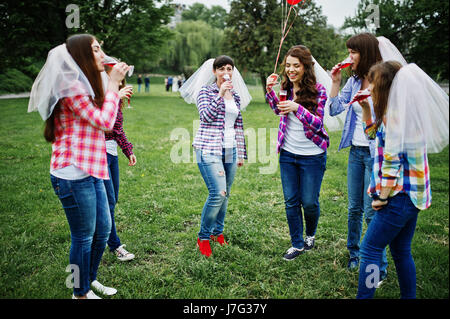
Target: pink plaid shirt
[(79, 134)]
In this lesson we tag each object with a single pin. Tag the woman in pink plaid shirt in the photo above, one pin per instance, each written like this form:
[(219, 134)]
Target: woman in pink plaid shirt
[(77, 113)]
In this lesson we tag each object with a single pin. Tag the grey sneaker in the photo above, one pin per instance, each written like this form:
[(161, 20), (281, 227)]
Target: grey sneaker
[(309, 242), (293, 253), (122, 254)]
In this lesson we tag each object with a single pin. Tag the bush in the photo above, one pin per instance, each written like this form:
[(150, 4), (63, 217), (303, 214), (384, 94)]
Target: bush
[(14, 81)]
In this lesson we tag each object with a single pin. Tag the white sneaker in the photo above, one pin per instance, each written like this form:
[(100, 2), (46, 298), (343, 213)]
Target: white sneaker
[(108, 291), (89, 295), (123, 254)]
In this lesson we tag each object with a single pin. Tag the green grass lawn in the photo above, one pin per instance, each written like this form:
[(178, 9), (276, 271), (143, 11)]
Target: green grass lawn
[(158, 217)]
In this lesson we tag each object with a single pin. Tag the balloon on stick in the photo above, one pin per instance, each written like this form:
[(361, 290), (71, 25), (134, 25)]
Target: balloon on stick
[(284, 32)]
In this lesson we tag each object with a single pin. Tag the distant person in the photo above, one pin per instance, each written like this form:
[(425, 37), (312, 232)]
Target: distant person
[(166, 81), (78, 114), (147, 83), (175, 85), (180, 82), (169, 84), (139, 82)]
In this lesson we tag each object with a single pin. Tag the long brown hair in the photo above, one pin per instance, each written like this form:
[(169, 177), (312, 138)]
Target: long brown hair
[(307, 95), (381, 76), (369, 53), (80, 48)]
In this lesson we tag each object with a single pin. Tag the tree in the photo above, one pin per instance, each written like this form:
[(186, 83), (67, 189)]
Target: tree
[(192, 44), (132, 30), (254, 32), (215, 16), (419, 29)]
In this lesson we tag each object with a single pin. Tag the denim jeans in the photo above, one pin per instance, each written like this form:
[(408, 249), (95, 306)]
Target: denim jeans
[(394, 225), (301, 178), (112, 190), (86, 207), (218, 173), (359, 202)]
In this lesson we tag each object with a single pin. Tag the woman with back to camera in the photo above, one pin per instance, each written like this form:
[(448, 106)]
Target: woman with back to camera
[(302, 144), (411, 120), (69, 95)]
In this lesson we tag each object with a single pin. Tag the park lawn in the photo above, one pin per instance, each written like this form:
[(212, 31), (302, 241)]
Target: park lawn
[(158, 217)]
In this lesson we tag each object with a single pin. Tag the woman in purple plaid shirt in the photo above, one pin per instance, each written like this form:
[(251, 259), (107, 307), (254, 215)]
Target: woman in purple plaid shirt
[(220, 148), (302, 143)]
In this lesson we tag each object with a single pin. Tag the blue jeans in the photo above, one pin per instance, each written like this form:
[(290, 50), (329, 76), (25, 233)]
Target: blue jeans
[(301, 178), (86, 207), (112, 190), (394, 225), (218, 173), (359, 202)]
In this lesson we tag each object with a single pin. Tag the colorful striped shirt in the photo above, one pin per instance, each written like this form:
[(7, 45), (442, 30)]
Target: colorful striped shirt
[(211, 109), (117, 134), (312, 123), (405, 172), (79, 134)]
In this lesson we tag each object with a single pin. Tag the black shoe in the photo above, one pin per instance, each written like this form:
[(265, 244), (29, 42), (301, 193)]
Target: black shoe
[(292, 253), (309, 242)]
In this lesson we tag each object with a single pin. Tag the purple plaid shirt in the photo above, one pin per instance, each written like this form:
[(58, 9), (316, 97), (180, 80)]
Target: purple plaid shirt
[(118, 134), (211, 109), (312, 123)]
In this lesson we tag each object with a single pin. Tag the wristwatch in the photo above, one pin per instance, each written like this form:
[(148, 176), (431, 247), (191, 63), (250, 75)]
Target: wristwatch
[(376, 197)]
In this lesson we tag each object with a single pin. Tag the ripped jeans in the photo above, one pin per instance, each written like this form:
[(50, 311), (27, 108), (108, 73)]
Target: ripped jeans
[(218, 173)]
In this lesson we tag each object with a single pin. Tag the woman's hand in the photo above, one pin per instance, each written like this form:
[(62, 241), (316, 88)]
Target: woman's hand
[(240, 162), (336, 75), (132, 160), (116, 75), (226, 86), (126, 92), (285, 107), (271, 81), (378, 204)]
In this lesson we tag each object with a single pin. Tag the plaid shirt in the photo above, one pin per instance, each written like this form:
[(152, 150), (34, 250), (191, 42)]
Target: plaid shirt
[(79, 134), (406, 172), (211, 109), (312, 123), (117, 134)]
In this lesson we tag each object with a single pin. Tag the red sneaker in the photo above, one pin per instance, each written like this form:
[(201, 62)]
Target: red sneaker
[(204, 247), (220, 239)]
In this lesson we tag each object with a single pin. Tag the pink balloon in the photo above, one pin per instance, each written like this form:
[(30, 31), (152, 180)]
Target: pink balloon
[(293, 2)]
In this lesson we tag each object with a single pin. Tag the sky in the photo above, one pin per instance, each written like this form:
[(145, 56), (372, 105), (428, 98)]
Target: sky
[(334, 10)]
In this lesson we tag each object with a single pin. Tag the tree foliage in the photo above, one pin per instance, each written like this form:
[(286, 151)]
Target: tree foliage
[(132, 30), (215, 16), (254, 32), (419, 29), (192, 44)]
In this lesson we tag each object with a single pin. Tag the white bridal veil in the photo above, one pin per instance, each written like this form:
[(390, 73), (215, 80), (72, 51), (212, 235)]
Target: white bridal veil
[(417, 113), (205, 76), (59, 77)]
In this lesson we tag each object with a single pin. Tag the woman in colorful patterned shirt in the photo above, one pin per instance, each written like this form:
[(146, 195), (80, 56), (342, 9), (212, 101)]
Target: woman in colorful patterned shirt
[(302, 144), (69, 95), (411, 120)]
